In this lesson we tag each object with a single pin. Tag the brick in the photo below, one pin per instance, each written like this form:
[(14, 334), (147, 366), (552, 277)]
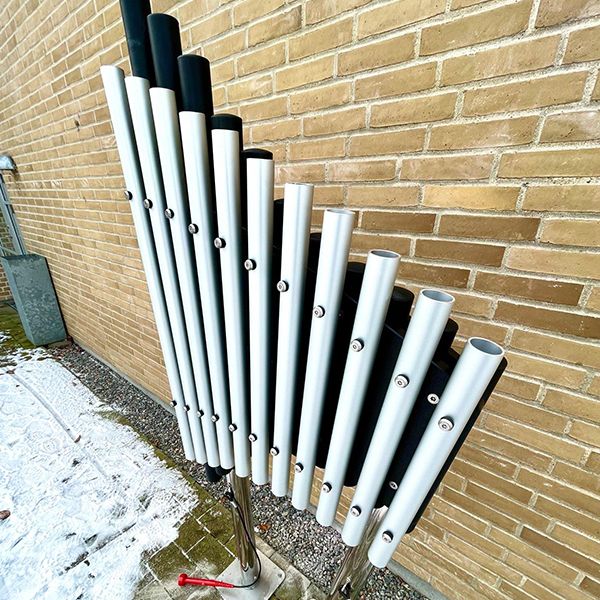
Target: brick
[(302, 173), (395, 83), (278, 130), (572, 127), (250, 10), (363, 242), (348, 119), (259, 60), (311, 150), (481, 254), (554, 12), (270, 108), (394, 15), (320, 97), (385, 195), (394, 221), (535, 439), (547, 319), (583, 45), (574, 232), (590, 586), (474, 166), (478, 328), (574, 518), (559, 348), (583, 162), (522, 95), (223, 72), (593, 301), (520, 57), (224, 46), (563, 198), (413, 110), (477, 197), (304, 73), (376, 54), (252, 87), (584, 432), (210, 27), (557, 262), (596, 91), (374, 170), (527, 414), (276, 26), (561, 552), (469, 304), (319, 39), (370, 144), (495, 228), (433, 274), (594, 386), (456, 4), (476, 28), (520, 388), (317, 10), (581, 478), (503, 132)]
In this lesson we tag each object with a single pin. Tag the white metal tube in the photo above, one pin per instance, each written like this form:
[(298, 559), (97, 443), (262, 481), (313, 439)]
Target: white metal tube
[(471, 376), (114, 86), (297, 206), (195, 153), (420, 342), (166, 125), (331, 272), (375, 293), (143, 126), (259, 177), (226, 161)]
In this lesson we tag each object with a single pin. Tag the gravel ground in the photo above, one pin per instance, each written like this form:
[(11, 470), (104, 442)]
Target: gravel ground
[(314, 550)]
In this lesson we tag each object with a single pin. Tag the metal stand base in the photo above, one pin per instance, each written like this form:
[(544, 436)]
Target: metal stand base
[(271, 577)]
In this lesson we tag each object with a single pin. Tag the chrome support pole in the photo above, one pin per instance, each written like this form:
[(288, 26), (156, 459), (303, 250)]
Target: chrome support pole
[(244, 536), (356, 567)]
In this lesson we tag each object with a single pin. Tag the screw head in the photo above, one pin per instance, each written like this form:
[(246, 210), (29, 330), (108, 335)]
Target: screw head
[(128, 195), (356, 345), (387, 537), (326, 488), (249, 264), (200, 413), (147, 203), (169, 213), (187, 408), (446, 423), (214, 418), (219, 243), (252, 437), (173, 402), (433, 398), (282, 286), (393, 485), (401, 381), (298, 467), (232, 427), (318, 311), (274, 451), (355, 511), (193, 228)]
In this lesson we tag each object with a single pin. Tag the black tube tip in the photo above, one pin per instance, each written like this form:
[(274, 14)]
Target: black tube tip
[(257, 153), (166, 47), (135, 13), (196, 87), (226, 121)]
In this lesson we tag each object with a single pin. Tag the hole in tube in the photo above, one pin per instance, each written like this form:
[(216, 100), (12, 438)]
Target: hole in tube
[(384, 253), (486, 346), (438, 295)]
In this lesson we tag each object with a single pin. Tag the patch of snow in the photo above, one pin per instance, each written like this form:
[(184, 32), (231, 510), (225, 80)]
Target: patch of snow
[(88, 498)]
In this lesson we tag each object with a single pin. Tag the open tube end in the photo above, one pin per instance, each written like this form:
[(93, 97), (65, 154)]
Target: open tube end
[(486, 346), (437, 295), (385, 254)]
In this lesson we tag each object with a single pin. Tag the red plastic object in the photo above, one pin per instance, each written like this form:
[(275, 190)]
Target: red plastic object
[(185, 580)]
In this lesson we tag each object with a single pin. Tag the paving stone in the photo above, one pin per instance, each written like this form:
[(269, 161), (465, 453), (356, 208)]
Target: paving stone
[(294, 587), (190, 533), (153, 591), (209, 557)]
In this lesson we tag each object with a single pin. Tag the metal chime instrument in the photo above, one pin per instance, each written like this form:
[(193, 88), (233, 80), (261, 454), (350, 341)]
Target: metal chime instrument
[(275, 345)]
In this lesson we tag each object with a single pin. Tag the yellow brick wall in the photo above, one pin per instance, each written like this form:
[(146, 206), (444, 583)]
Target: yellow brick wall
[(466, 135)]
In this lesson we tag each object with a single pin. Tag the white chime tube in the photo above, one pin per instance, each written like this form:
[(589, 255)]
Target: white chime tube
[(166, 125), (195, 152), (331, 272), (420, 342), (114, 86), (297, 207), (471, 376), (373, 303), (226, 160), (259, 178), (143, 126)]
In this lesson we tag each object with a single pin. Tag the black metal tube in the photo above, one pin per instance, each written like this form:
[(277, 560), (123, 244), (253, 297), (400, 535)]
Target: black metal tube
[(165, 43), (135, 14), (195, 83)]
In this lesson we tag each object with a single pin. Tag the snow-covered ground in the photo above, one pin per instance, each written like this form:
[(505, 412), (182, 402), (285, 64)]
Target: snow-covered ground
[(87, 496)]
